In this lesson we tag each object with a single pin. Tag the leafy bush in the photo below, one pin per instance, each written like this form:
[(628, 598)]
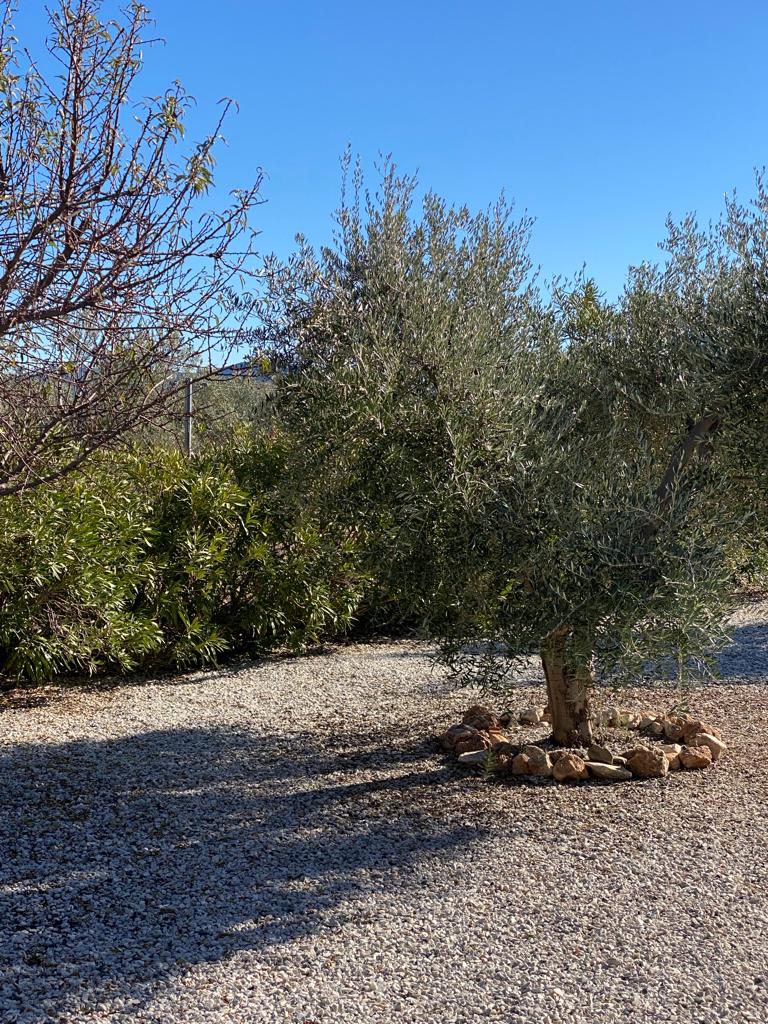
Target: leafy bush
[(71, 564), (154, 560)]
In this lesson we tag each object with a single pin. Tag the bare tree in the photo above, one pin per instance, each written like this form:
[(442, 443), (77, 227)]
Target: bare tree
[(111, 276)]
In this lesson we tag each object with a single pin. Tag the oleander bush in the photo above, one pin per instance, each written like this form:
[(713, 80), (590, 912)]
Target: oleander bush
[(150, 560)]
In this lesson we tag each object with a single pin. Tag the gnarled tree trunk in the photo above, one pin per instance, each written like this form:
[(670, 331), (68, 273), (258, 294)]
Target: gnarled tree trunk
[(567, 689), (569, 678)]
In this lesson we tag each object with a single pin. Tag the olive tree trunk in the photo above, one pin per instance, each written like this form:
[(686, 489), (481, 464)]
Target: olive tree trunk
[(567, 689)]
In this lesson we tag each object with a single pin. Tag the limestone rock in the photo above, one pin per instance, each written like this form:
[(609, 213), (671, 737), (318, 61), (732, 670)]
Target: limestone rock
[(672, 753), (613, 716), (480, 717), (715, 745), (473, 757), (531, 716), (695, 757), (570, 768), (538, 760), (598, 753), (611, 772), (647, 763)]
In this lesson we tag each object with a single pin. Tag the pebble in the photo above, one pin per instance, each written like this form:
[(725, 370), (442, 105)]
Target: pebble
[(278, 842)]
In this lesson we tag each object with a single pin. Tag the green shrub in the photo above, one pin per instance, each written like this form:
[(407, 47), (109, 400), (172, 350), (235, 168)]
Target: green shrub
[(153, 559), (235, 562), (72, 560)]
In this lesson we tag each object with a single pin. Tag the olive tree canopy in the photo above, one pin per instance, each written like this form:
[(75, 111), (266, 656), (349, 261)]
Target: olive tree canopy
[(530, 476)]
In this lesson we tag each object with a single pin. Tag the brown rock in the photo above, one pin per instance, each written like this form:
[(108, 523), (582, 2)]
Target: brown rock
[(538, 760), (477, 741), (520, 765), (690, 728), (695, 757), (555, 755), (673, 731), (480, 717), (716, 746), (570, 768), (656, 729), (506, 749), (647, 763), (694, 728), (497, 738), (454, 733)]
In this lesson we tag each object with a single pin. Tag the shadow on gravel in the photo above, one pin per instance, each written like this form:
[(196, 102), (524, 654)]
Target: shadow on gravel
[(124, 861), (747, 657)]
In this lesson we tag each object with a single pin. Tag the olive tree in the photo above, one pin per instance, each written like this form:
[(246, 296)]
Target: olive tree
[(112, 274), (529, 476)]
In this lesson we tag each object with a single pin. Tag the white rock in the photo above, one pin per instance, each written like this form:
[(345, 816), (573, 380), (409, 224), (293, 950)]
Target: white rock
[(473, 757), (599, 753), (716, 746), (612, 772), (531, 716)]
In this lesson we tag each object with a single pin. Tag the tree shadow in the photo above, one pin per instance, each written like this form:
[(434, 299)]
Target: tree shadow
[(127, 860), (746, 659)]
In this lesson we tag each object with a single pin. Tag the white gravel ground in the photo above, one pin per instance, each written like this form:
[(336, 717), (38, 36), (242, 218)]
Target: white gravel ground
[(280, 842)]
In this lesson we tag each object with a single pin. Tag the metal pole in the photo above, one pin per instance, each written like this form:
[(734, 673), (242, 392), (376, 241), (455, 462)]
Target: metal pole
[(188, 417)]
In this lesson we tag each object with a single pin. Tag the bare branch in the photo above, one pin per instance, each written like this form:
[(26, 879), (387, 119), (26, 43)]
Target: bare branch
[(115, 277)]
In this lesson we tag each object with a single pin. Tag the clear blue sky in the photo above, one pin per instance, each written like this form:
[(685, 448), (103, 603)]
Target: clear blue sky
[(597, 118)]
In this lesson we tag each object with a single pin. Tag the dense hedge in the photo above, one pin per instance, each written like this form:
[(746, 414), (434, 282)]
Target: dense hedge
[(149, 559)]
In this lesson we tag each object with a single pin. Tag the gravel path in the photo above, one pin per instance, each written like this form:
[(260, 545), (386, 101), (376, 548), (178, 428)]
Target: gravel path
[(278, 842)]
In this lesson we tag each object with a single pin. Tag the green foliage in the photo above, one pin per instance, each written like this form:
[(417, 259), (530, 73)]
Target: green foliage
[(400, 341), (155, 560), (502, 458), (71, 563), (221, 408), (448, 451)]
